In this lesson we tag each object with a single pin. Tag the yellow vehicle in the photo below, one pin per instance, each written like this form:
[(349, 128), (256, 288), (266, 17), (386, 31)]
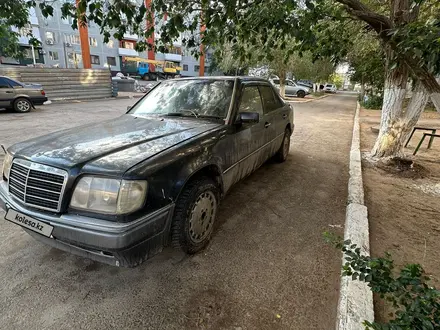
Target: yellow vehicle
[(162, 69)]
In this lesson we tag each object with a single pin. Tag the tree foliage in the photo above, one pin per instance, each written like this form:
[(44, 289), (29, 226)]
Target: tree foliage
[(304, 67)]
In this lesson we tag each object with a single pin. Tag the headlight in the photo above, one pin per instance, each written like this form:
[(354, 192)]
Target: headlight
[(109, 196), (7, 162)]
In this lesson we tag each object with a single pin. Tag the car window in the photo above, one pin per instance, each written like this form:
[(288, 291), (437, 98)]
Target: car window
[(251, 100), (13, 83), (270, 101), (276, 81), (199, 97), (290, 83), (4, 83)]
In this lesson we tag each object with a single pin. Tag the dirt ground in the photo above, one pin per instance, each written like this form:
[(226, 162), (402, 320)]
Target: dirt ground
[(404, 210), (267, 266)]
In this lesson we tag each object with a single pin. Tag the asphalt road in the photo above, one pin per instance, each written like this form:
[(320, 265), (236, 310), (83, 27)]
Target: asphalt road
[(267, 266)]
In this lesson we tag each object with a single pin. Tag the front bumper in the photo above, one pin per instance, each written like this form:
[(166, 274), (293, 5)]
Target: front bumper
[(96, 239)]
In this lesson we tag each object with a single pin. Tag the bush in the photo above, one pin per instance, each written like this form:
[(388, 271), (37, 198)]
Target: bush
[(416, 304), (373, 102)]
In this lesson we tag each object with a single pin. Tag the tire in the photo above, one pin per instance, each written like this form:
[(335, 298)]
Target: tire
[(145, 77), (194, 215), (22, 105), (301, 94), (283, 152)]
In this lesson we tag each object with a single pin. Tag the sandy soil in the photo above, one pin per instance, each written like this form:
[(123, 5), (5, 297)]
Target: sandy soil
[(404, 210)]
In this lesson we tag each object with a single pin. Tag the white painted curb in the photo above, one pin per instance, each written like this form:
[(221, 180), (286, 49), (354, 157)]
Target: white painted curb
[(355, 297)]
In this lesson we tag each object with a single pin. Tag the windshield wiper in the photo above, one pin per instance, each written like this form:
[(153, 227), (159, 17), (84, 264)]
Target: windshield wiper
[(182, 113), (191, 113)]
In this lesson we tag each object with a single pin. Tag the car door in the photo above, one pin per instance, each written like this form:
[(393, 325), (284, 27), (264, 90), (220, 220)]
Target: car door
[(245, 140), (6, 93), (291, 88), (276, 114)]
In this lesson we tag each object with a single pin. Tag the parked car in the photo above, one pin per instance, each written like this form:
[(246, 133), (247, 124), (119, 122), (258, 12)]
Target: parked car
[(18, 96), (119, 190), (292, 89), (329, 88), (306, 83)]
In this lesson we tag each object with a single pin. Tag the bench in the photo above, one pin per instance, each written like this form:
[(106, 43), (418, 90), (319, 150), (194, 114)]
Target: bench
[(432, 136)]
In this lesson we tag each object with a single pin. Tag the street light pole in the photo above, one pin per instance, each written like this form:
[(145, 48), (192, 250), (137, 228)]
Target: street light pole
[(65, 54), (33, 55)]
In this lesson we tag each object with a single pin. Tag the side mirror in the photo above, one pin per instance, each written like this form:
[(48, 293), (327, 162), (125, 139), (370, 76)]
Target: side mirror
[(128, 107), (248, 117)]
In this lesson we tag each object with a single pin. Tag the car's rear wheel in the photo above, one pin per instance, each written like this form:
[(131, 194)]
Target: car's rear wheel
[(301, 94), (22, 105), (194, 215), (283, 152), (146, 76)]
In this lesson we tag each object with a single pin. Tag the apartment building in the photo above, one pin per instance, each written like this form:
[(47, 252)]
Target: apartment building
[(60, 46)]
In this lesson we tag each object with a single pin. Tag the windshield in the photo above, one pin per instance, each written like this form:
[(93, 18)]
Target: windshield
[(198, 97)]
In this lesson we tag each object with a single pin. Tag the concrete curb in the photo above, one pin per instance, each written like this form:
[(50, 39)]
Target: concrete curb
[(310, 100), (355, 297)]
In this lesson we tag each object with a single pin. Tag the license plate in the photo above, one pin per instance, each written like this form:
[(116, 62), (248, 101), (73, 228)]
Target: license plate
[(28, 222)]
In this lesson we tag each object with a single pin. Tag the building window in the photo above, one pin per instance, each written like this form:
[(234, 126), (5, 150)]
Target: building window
[(127, 44), (185, 67), (28, 53), (53, 56), (94, 59), (110, 44), (72, 39), (175, 50), (93, 42), (74, 59), (67, 20), (196, 68), (111, 61), (25, 31), (50, 37)]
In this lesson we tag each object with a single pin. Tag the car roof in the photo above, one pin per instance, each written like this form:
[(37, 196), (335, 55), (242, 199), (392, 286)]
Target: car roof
[(242, 78)]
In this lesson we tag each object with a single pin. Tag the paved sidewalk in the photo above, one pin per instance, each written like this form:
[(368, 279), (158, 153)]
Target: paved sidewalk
[(267, 266)]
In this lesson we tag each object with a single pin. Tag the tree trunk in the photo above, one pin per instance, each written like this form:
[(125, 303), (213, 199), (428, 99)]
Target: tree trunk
[(282, 76), (415, 108), (362, 91), (282, 89), (393, 121)]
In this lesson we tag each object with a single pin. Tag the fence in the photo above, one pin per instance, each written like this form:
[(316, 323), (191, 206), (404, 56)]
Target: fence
[(64, 84)]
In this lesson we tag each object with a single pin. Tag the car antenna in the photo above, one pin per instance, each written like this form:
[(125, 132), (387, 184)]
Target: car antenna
[(3, 147)]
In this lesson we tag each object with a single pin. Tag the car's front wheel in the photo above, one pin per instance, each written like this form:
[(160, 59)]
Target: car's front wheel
[(22, 105), (301, 94), (194, 215)]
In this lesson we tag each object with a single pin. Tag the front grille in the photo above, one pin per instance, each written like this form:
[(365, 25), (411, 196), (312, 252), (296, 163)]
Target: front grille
[(37, 185)]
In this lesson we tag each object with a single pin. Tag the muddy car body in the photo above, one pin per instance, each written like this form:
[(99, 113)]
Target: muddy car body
[(120, 190)]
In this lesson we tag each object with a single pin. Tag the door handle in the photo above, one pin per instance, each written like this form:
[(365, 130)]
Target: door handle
[(266, 125), (284, 116), (9, 92)]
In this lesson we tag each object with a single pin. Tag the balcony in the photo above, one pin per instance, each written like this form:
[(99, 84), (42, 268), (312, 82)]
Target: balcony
[(173, 57), (127, 52), (23, 38), (129, 36)]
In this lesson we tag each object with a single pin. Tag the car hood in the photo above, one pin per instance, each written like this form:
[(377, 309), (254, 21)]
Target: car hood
[(112, 146)]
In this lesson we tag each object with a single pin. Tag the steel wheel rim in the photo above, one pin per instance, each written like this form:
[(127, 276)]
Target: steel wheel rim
[(286, 145), (23, 105), (202, 216)]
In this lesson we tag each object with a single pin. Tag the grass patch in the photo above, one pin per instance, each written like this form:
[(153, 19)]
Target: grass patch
[(317, 94)]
